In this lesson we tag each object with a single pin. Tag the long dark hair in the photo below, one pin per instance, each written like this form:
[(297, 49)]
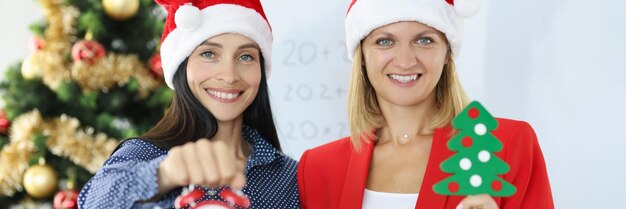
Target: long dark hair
[(188, 120)]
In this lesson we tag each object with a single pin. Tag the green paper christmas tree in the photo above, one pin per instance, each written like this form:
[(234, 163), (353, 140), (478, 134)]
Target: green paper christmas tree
[(474, 167)]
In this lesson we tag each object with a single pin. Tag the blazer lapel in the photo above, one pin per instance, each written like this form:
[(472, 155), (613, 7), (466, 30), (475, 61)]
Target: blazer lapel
[(358, 168), (356, 176), (438, 153)]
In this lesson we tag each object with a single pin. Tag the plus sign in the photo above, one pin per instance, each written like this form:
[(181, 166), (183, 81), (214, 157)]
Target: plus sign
[(327, 130), (325, 53), (340, 91)]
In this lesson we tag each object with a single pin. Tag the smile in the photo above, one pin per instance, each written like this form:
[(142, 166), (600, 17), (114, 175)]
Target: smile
[(224, 95), (404, 78)]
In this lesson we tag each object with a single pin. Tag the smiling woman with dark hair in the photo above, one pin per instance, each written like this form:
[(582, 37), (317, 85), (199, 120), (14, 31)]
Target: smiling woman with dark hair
[(219, 130)]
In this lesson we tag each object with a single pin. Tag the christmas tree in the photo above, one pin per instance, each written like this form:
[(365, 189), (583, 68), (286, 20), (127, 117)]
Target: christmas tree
[(94, 78), (474, 167)]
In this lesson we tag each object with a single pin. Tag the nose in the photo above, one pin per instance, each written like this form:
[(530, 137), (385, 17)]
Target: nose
[(227, 72), (405, 58)]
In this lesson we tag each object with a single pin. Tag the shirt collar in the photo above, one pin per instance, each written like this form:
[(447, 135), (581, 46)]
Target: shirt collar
[(262, 151)]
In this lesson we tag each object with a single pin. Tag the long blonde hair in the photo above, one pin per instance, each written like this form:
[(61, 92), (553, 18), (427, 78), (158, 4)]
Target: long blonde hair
[(364, 113)]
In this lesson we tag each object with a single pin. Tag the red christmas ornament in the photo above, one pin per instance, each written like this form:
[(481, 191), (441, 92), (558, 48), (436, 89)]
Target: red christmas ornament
[(67, 199), (190, 200), (36, 43), (236, 198), (87, 51), (155, 65), (5, 124)]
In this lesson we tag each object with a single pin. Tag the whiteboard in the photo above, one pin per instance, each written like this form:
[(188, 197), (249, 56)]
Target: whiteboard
[(310, 71)]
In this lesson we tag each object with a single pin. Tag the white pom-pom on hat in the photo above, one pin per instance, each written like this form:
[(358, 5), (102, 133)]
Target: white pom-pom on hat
[(188, 17), (466, 8)]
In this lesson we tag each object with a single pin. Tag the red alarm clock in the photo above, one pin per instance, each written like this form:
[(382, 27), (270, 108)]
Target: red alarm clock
[(191, 196)]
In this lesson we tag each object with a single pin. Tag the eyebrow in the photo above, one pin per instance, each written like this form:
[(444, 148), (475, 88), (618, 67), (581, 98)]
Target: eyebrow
[(428, 32), (417, 35), (248, 45)]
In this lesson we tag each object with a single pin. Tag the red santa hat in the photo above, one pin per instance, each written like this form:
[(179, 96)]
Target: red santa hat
[(190, 22), (447, 16)]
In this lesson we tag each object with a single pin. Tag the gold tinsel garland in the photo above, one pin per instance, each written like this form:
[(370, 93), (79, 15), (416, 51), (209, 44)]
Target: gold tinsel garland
[(147, 83), (63, 138), (82, 147), (113, 70), (14, 156), (58, 37), (103, 75)]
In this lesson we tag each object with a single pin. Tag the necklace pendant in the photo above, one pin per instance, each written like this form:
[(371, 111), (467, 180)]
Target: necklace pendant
[(406, 136)]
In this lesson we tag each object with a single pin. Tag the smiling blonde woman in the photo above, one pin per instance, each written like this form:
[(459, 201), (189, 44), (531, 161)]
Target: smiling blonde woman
[(404, 93)]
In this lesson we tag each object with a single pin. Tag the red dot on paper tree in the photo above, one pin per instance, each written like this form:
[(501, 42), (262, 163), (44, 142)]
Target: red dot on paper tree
[(467, 141), (453, 187), (473, 113), (496, 185)]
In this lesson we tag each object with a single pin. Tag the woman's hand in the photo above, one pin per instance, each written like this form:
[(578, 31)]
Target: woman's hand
[(482, 201), (204, 162)]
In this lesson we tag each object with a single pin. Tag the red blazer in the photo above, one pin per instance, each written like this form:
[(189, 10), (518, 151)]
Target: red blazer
[(334, 175)]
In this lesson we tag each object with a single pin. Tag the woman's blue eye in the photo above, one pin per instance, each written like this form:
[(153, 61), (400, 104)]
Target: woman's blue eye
[(384, 42), (208, 54), (424, 41), (246, 58)]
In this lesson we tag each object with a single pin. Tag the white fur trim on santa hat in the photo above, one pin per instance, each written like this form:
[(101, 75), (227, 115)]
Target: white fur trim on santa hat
[(367, 15), (467, 8), (216, 20)]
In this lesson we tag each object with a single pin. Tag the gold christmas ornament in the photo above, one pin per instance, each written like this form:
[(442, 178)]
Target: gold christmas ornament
[(14, 156), (31, 67), (40, 181), (121, 9)]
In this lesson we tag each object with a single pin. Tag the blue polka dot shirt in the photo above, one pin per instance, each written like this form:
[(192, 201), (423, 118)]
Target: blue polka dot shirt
[(129, 177)]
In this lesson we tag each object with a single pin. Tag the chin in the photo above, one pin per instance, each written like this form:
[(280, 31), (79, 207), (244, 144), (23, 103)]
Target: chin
[(407, 103), (226, 114), (227, 117)]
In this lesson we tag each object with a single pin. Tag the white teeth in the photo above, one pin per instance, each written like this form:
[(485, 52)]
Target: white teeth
[(223, 95), (403, 78)]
